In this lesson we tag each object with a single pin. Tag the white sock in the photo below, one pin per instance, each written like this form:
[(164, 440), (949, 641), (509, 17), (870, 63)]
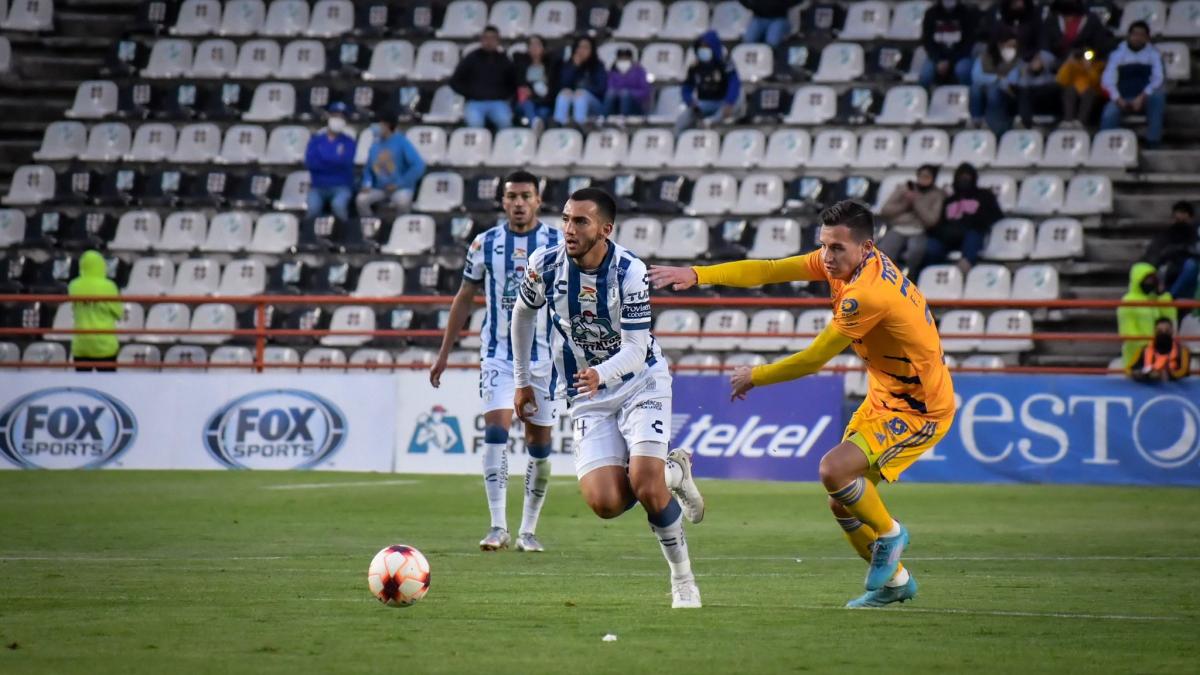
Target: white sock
[(537, 482), (892, 532), (899, 579), (495, 481), (668, 527)]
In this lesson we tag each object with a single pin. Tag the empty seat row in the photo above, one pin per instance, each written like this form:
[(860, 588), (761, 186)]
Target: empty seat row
[(325, 18), (221, 58), (1002, 331), (153, 275), (157, 142), (989, 282)]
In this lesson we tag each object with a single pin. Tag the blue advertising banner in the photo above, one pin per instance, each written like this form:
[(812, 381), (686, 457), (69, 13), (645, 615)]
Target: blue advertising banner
[(778, 433), (1098, 430)]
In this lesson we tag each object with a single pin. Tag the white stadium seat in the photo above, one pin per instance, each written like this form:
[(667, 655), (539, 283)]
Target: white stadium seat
[(151, 276), (941, 282), (1153, 12), (553, 19), (1014, 322), (244, 144), (286, 145), (197, 276), (760, 194), (1003, 185), (776, 321), (286, 18), (9, 352), (62, 141), (974, 146), (1035, 282), (215, 59), (720, 323), (44, 352), (324, 357), (840, 62), (866, 20), (1088, 194), (380, 279), (275, 233), (184, 231), (907, 19), (272, 102), (905, 105), (469, 147), (152, 143), (742, 360), (987, 361), (961, 322), (440, 191), (350, 317), (512, 18), (513, 147), (139, 355), (1183, 19), (32, 184), (64, 320), (198, 17), (29, 15), (372, 359), (988, 282), (1189, 331), (787, 149), (243, 277), (650, 148), (257, 60), (640, 20), (1114, 148), (878, 149), (1058, 238), (810, 321), (1041, 194), (212, 316), (447, 107), (229, 232), (464, 19), (231, 355), (391, 60), (1067, 148), (686, 20), (331, 18), (1020, 148), (699, 363), (169, 59), (294, 194), (753, 62), (412, 234), (280, 357), (948, 105), (834, 148), (1010, 239), (643, 236), (429, 141), (926, 146), (604, 148), (742, 149), (302, 60), (12, 227), (436, 60), (137, 231), (94, 99), (559, 148), (775, 238), (696, 148), (193, 354), (730, 19), (684, 239), (197, 144), (668, 104), (6, 63), (242, 17), (713, 194), (664, 62), (1177, 60)]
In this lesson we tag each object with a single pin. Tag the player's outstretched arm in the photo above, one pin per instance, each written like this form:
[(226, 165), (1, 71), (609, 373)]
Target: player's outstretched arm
[(460, 311), (530, 298), (741, 274), (828, 344)]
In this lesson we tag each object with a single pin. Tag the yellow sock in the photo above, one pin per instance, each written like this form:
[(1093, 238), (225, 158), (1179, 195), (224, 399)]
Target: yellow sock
[(861, 499), (859, 535)]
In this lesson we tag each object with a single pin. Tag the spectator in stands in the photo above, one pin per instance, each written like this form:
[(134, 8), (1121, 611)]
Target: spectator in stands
[(393, 169), (770, 22), (967, 216), (487, 80), (711, 89), (628, 86), (582, 83), (1021, 19), (948, 35), (537, 82), (329, 159), (1135, 323), (992, 76), (1133, 80), (1035, 88), (87, 349), (1175, 252), (1164, 359), (1075, 40), (910, 212)]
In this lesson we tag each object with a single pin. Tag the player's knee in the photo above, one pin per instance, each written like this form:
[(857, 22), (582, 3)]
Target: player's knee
[(606, 506), (495, 434), (538, 450), (831, 474)]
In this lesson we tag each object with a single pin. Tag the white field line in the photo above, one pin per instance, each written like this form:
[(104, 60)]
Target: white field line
[(76, 557), (344, 484)]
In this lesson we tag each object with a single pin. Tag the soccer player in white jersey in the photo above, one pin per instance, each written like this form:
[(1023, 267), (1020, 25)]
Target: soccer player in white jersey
[(496, 261), (614, 376)]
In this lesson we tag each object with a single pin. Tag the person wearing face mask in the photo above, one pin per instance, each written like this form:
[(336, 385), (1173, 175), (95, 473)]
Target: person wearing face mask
[(628, 87), (1164, 359), (1134, 323), (537, 82), (1077, 39), (948, 33), (329, 159), (711, 89), (1021, 19), (910, 211), (967, 216), (1175, 252), (393, 169), (1133, 80), (992, 96), (583, 82)]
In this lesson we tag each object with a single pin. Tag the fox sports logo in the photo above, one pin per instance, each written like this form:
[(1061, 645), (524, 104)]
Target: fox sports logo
[(66, 428), (275, 429)]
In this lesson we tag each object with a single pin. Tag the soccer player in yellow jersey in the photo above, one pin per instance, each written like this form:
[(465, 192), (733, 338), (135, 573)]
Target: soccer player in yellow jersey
[(910, 405)]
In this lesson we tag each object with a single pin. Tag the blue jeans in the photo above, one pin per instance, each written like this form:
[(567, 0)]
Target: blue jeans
[(338, 199), (962, 72), (992, 103), (688, 118), (576, 104), (1185, 285), (936, 250), (623, 103), (1156, 106), (478, 113), (770, 31), (532, 111)]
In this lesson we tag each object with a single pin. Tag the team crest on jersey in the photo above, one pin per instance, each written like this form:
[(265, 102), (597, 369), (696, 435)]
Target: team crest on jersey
[(519, 254), (595, 336), (849, 307), (476, 245), (896, 426), (587, 294), (512, 283)]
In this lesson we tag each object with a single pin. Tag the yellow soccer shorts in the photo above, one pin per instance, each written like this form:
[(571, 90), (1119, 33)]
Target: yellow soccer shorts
[(892, 441)]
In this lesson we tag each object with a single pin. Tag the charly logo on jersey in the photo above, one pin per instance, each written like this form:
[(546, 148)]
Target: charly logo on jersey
[(66, 428), (595, 336), (275, 429), (436, 433)]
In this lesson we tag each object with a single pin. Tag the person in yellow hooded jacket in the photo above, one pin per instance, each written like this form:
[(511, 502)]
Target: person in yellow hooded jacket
[(89, 348), (1138, 322)]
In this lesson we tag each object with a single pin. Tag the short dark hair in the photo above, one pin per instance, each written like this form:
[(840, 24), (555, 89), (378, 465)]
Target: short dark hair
[(521, 176), (854, 215), (491, 29), (1185, 207), (1138, 24), (605, 204), (625, 51)]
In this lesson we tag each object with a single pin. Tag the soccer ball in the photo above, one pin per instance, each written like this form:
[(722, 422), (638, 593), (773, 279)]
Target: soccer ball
[(399, 576)]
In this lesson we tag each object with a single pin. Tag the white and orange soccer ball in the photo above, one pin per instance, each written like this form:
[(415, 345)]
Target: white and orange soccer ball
[(399, 576)]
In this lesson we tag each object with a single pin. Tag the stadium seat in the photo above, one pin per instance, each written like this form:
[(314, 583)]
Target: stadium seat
[(988, 282), (197, 144), (559, 148), (440, 191), (1058, 238), (436, 60), (242, 18), (513, 147), (699, 364), (418, 357), (926, 146), (139, 355), (787, 149), (834, 148), (941, 282), (474, 326), (512, 18), (641, 235), (1183, 19), (463, 357), (430, 142), (1015, 322), (1020, 149), (1004, 186), (166, 316), (668, 105), (463, 20), (214, 59), (446, 108), (286, 145), (285, 18), (412, 234), (272, 102), (152, 143), (759, 194), (9, 352), (64, 320), (907, 18), (350, 317), (150, 276), (983, 361), (1041, 194), (198, 17), (1153, 12), (878, 149), (231, 355), (650, 148), (324, 357), (94, 99), (696, 148), (275, 233), (281, 359), (775, 238), (975, 146), (469, 147), (1088, 194), (684, 239), (961, 322), (330, 18), (1067, 148), (197, 276), (1177, 60), (257, 60), (44, 352), (302, 60), (604, 148), (854, 381), (607, 52), (168, 59), (212, 316), (904, 105), (810, 321), (640, 20), (841, 62), (948, 105), (6, 64), (185, 354), (730, 20), (294, 194), (372, 359), (32, 184), (1009, 239), (742, 149), (1189, 331), (776, 321), (1035, 282), (742, 360), (62, 141), (229, 232), (722, 322), (136, 231), (184, 231), (866, 20), (244, 144), (380, 279), (12, 227), (664, 62), (713, 194), (390, 60), (753, 62), (1114, 148), (243, 277), (686, 20), (553, 19)]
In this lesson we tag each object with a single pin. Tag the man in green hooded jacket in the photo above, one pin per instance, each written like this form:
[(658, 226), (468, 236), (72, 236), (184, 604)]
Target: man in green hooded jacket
[(88, 348), (1139, 321)]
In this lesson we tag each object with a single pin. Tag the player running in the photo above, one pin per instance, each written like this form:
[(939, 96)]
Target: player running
[(616, 381), (911, 402), (499, 256)]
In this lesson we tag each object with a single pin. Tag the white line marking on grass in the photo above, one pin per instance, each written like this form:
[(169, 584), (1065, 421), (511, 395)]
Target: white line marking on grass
[(345, 484), (952, 558)]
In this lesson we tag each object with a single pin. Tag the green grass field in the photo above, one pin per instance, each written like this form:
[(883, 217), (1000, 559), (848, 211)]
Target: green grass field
[(147, 572)]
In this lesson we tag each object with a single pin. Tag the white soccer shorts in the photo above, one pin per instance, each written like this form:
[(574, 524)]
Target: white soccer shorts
[(496, 388), (607, 427)]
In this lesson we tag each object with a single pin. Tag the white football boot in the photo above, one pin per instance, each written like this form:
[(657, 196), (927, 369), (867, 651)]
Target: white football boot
[(684, 593), (529, 543), (497, 538), (679, 481)]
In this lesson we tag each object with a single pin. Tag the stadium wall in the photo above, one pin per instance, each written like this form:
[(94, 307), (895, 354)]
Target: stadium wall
[(1009, 428)]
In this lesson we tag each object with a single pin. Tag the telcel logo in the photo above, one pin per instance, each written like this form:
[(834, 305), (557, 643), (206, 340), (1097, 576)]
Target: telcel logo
[(275, 429), (751, 439), (66, 428)]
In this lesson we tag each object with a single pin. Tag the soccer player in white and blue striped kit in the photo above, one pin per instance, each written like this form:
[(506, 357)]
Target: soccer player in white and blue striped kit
[(496, 262), (615, 378)]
